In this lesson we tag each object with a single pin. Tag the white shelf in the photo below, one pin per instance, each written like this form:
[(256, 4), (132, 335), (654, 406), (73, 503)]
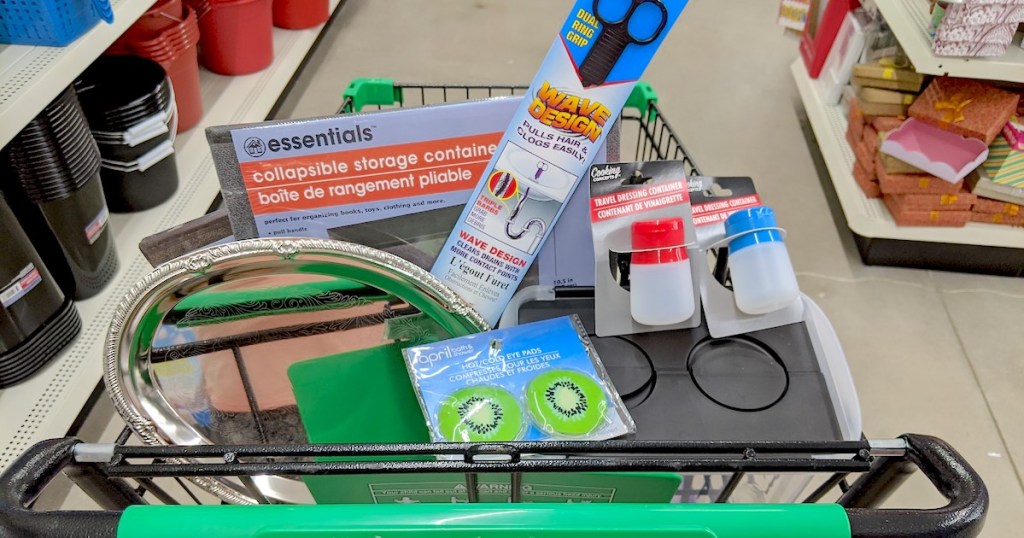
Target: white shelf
[(868, 217), (45, 406), (31, 77), (909, 20)]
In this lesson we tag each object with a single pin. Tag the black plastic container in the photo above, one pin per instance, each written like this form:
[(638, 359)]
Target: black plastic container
[(79, 221), (139, 190), (113, 104), (55, 165), (36, 320)]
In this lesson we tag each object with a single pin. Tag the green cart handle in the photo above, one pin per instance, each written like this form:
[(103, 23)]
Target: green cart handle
[(362, 92), (962, 517)]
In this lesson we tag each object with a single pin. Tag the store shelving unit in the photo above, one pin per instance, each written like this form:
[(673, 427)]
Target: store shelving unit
[(31, 77), (909, 20), (991, 247), (46, 405)]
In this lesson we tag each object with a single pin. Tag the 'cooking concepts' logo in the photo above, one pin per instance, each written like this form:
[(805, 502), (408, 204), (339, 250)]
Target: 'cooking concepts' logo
[(604, 173), (569, 112), (330, 137)]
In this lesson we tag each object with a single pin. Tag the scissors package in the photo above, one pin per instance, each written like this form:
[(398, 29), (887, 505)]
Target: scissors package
[(645, 248), (529, 382), (576, 96)]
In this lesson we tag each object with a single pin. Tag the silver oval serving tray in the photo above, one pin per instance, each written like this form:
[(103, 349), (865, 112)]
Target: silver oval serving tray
[(197, 350)]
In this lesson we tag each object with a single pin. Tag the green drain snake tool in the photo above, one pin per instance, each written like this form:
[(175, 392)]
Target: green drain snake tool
[(480, 413), (566, 402)]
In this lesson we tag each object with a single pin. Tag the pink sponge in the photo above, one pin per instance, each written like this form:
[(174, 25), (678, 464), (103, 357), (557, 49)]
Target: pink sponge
[(914, 183), (987, 205), (914, 217), (936, 202), (998, 218), (866, 181), (887, 123)]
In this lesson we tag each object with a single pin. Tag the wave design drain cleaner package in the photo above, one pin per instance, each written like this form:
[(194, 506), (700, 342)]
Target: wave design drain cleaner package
[(589, 72)]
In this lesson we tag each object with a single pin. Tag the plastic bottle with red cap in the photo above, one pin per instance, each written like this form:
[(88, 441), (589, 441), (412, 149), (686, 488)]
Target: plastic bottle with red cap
[(660, 283)]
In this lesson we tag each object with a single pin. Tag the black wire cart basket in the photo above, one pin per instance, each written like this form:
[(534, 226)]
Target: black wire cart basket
[(142, 491)]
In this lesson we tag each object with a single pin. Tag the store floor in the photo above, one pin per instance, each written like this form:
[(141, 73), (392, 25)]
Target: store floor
[(931, 352)]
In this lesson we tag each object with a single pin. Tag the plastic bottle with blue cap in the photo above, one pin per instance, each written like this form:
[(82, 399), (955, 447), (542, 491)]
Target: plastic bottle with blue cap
[(762, 275)]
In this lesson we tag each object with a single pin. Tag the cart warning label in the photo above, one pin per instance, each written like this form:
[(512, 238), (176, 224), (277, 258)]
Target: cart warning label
[(456, 492)]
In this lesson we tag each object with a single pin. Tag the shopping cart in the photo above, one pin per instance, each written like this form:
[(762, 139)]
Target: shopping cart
[(139, 489), (641, 119), (103, 472)]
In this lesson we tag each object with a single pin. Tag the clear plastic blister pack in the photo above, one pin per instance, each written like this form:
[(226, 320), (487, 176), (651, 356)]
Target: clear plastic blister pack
[(644, 238), (530, 382)]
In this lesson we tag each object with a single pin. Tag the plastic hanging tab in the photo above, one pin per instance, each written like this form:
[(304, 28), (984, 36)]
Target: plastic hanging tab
[(726, 240), (688, 245)]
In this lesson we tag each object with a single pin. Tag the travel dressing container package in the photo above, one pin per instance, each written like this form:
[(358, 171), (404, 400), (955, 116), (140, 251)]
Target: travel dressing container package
[(713, 200), (530, 382), (589, 72), (644, 240)]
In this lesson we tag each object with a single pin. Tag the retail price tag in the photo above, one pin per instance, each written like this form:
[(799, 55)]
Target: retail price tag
[(888, 73), (908, 99), (28, 278)]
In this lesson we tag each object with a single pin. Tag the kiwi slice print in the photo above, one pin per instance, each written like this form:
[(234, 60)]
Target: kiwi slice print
[(480, 414), (566, 403)]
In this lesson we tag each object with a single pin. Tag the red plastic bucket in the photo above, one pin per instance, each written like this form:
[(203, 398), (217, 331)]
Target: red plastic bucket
[(236, 36), (163, 15), (175, 49), (183, 70), (299, 14)]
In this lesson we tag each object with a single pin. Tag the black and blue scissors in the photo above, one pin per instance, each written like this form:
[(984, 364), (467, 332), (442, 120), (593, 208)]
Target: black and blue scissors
[(615, 36)]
